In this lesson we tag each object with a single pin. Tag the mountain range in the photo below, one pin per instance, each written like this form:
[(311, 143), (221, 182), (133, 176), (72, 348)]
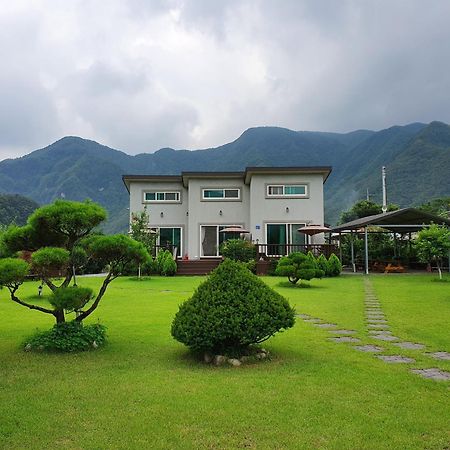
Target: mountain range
[(416, 156)]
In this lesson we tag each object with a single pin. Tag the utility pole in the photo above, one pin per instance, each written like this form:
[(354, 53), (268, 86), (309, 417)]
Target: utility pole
[(383, 180)]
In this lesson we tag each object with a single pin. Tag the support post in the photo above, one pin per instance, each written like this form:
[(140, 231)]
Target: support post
[(352, 251), (366, 251), (340, 247)]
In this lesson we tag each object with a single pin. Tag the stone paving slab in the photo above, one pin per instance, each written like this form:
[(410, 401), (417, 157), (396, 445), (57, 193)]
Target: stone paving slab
[(304, 316), (326, 325), (345, 339), (383, 326), (375, 316), (313, 320), (445, 356), (409, 345), (433, 374), (382, 332), (375, 321), (342, 331), (368, 348), (396, 359), (385, 337)]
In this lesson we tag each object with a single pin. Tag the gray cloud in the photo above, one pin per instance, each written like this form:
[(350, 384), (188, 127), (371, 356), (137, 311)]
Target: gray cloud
[(140, 75)]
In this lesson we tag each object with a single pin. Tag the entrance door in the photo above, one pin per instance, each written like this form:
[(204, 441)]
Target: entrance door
[(169, 238), (276, 239)]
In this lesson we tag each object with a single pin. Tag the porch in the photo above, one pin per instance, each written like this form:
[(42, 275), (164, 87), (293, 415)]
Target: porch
[(266, 255)]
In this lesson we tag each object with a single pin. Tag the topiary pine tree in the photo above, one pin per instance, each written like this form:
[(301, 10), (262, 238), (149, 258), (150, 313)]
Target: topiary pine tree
[(334, 266), (58, 235), (322, 263), (230, 311), (298, 266)]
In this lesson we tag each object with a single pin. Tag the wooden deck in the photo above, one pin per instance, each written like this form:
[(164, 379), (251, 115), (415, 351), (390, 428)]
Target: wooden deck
[(197, 267)]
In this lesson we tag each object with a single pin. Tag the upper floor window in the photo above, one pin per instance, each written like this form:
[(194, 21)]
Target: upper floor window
[(287, 190), (221, 194), (155, 196)]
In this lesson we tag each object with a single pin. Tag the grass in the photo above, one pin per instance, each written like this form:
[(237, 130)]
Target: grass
[(144, 390)]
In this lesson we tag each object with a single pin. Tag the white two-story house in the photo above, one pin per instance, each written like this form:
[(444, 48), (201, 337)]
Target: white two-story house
[(190, 210)]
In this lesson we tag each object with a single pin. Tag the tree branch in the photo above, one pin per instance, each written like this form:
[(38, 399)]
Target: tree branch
[(29, 305), (100, 294), (49, 283)]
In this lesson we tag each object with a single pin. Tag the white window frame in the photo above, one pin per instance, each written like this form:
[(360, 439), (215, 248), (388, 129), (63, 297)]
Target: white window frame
[(177, 194), (158, 238), (224, 198), (288, 226), (269, 195)]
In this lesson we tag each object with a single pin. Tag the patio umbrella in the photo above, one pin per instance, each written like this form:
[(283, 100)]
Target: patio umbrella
[(234, 229), (311, 230)]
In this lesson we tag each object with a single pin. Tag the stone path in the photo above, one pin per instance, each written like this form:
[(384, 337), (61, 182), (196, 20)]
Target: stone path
[(378, 328)]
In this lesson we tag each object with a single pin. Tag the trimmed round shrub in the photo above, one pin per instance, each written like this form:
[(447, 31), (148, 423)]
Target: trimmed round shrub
[(298, 266), (334, 266), (68, 337), (230, 311)]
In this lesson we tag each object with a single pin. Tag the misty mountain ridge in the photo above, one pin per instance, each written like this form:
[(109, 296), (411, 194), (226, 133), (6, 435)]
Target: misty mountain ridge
[(417, 157)]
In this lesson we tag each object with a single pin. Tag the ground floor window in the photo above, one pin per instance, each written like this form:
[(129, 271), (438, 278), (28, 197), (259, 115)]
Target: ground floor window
[(169, 238), (283, 238), (211, 237)]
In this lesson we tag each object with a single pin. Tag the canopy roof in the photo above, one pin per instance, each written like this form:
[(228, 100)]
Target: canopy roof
[(400, 221)]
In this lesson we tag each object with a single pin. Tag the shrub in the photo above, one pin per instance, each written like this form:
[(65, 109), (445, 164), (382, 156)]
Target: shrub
[(322, 263), (160, 258), (230, 311), (334, 266), (169, 266), (68, 337), (71, 298), (298, 266), (238, 250)]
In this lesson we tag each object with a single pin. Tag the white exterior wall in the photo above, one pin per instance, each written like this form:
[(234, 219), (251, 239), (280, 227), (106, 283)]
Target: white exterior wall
[(273, 210), (174, 214), (207, 212)]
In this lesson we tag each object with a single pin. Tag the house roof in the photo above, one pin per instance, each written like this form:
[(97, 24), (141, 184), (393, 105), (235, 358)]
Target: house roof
[(402, 220), (246, 175)]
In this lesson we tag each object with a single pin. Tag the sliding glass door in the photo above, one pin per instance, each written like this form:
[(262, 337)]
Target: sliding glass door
[(211, 237), (169, 239), (284, 238)]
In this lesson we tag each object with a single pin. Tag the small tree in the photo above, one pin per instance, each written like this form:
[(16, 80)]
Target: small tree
[(238, 249), (433, 244), (334, 266), (298, 266), (322, 263), (57, 234)]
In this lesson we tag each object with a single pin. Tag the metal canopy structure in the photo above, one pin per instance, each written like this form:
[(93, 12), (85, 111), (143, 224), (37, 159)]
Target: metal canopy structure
[(404, 220)]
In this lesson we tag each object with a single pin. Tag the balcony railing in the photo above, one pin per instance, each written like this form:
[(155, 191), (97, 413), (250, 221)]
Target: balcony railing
[(278, 250)]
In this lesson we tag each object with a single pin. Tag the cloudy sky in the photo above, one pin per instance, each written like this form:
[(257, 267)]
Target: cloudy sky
[(139, 75)]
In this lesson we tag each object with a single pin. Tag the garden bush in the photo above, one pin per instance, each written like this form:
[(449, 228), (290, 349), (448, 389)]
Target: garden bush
[(322, 264), (169, 265), (298, 266), (334, 266), (68, 337), (230, 311), (238, 250)]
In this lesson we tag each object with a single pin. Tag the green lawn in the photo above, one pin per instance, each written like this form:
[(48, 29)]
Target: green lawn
[(145, 391)]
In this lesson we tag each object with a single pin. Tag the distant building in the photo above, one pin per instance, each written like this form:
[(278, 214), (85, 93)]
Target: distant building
[(189, 210)]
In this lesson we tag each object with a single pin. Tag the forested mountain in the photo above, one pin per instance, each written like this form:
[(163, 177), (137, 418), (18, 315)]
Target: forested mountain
[(15, 209), (417, 157)]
